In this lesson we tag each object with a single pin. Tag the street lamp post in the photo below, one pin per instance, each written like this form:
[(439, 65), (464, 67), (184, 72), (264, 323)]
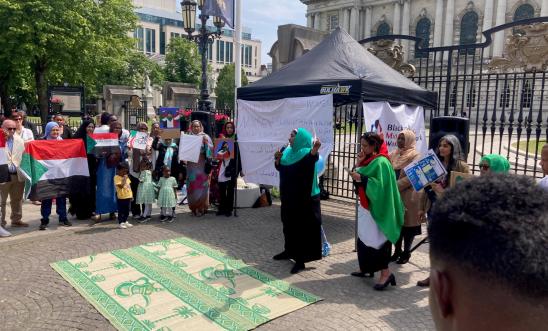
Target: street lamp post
[(203, 38)]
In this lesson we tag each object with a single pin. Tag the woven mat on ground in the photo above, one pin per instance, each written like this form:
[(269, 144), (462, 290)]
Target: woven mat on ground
[(179, 284)]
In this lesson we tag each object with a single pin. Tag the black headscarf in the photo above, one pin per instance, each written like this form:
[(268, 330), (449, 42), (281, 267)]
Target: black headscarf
[(81, 133)]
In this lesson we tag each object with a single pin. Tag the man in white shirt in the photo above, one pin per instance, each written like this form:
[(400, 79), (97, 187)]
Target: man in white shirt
[(105, 123), (15, 146), (544, 165)]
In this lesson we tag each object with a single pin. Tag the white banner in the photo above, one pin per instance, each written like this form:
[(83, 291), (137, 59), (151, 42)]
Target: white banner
[(389, 121), (263, 127), (190, 147)]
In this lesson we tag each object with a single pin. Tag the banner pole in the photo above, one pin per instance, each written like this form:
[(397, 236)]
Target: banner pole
[(237, 83)]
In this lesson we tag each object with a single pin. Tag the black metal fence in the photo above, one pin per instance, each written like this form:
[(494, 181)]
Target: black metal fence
[(505, 100)]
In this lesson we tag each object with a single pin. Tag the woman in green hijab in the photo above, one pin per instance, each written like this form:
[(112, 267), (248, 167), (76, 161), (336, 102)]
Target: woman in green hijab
[(494, 163), (300, 195)]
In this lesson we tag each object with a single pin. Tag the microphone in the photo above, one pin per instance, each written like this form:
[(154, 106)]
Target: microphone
[(283, 148)]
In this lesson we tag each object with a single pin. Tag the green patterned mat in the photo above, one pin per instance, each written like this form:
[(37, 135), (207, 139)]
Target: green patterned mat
[(179, 284)]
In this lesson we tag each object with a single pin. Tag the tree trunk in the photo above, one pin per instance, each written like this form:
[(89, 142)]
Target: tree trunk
[(40, 68)]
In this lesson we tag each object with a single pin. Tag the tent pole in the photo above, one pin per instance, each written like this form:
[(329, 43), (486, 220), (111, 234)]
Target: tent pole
[(237, 83), (359, 129)]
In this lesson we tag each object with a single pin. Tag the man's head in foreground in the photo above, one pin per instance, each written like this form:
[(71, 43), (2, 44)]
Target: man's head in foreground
[(489, 255)]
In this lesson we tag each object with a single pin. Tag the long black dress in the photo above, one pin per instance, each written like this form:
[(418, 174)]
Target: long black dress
[(300, 212)]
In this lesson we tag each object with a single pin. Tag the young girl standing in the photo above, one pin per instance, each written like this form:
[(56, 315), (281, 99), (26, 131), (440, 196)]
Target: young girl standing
[(145, 192), (167, 195)]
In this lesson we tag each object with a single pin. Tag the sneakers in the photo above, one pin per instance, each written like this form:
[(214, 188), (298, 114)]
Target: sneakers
[(65, 223), (326, 249), (128, 225), (122, 226), (143, 219), (4, 233), (43, 227), (169, 219)]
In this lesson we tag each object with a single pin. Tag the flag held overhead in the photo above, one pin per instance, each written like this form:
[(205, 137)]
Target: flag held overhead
[(220, 8)]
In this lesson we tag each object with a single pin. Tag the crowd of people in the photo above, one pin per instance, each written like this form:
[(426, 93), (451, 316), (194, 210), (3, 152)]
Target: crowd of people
[(390, 211), (124, 182)]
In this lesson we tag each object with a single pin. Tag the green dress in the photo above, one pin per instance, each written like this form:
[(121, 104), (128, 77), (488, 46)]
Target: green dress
[(146, 193), (166, 194)]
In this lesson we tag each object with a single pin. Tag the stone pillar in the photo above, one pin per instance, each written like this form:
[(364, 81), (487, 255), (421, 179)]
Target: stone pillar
[(397, 18), (309, 22), (317, 21), (544, 8), (368, 18), (438, 23), (405, 28), (345, 20), (449, 18), (488, 21), (354, 23), (499, 36)]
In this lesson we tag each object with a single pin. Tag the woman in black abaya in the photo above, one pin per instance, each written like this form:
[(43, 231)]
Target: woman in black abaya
[(300, 196)]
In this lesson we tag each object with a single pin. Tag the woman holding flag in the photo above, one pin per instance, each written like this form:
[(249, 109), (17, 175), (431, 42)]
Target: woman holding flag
[(106, 169), (53, 132), (300, 195), (380, 212)]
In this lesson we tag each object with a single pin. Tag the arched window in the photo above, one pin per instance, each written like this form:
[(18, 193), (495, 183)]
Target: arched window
[(422, 31), (383, 29), (523, 12), (468, 30)]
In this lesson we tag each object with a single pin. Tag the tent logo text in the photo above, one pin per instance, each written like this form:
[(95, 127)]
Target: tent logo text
[(335, 89)]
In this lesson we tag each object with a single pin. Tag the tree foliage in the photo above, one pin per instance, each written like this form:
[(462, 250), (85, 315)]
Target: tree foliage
[(226, 85), (183, 62), (64, 41)]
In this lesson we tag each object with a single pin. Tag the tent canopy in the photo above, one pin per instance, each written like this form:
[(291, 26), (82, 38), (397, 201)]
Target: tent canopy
[(339, 65)]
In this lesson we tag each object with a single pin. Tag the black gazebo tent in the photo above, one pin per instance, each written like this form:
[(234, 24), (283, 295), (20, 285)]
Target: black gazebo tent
[(339, 65)]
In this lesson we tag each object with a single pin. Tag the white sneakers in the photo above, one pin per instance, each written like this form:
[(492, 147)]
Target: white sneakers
[(4, 232), (125, 225)]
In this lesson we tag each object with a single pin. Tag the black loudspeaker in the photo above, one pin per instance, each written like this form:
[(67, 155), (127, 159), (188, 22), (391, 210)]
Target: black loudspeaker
[(444, 125)]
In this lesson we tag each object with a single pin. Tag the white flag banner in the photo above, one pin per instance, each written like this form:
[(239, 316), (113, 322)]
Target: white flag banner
[(263, 127), (190, 147), (389, 121)]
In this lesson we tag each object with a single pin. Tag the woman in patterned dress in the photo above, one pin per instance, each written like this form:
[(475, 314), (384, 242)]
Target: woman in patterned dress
[(167, 195), (197, 178)]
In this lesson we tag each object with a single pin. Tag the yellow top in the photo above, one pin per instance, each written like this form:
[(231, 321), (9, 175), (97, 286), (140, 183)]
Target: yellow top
[(123, 192)]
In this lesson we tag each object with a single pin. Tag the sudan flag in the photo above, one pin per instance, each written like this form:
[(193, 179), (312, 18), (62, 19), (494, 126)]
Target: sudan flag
[(4, 171), (102, 143), (55, 168)]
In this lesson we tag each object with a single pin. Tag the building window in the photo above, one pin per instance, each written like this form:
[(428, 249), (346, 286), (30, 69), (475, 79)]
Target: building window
[(162, 42), (505, 96), (210, 51), (150, 41), (471, 97), (468, 31), (333, 22), (247, 55), (523, 12), (221, 51), (139, 38), (383, 29), (453, 97), (526, 95), (422, 31)]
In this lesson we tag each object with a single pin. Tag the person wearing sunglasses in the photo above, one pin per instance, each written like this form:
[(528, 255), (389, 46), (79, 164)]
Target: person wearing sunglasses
[(21, 131), (15, 185), (494, 163)]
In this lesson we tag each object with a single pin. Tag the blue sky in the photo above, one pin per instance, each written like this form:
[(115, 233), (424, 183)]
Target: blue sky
[(264, 16)]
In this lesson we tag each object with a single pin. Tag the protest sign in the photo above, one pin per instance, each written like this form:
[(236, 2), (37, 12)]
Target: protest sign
[(425, 171), (389, 121), (170, 133), (140, 140), (190, 147), (264, 126), (224, 145)]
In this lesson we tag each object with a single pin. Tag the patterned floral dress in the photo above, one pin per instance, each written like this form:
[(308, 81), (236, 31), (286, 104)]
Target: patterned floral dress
[(166, 194), (146, 193)]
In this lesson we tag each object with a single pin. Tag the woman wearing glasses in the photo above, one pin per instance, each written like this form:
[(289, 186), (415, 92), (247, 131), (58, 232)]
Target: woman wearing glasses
[(21, 131)]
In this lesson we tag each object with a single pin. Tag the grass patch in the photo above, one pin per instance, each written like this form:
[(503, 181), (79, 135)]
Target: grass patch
[(531, 146)]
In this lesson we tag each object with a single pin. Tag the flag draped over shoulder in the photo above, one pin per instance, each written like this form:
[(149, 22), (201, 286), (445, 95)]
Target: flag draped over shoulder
[(4, 171), (102, 143), (220, 8), (55, 168)]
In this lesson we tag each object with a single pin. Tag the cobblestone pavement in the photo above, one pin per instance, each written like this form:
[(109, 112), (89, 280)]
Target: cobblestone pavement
[(34, 297)]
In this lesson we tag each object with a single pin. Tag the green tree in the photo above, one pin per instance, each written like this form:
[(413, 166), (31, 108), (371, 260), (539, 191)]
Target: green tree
[(226, 85), (69, 41), (132, 71), (183, 62)]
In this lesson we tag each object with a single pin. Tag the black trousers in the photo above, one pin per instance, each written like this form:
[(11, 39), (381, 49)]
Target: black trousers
[(226, 195), (135, 208), (123, 209)]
